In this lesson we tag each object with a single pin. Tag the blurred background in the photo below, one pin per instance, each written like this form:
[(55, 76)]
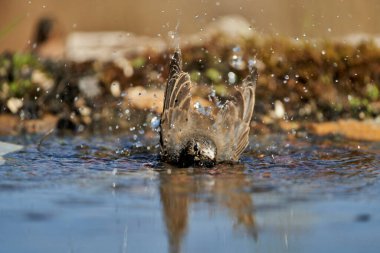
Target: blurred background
[(312, 18)]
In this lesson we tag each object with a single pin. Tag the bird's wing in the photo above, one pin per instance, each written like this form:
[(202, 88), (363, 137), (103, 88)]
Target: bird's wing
[(178, 87), (233, 120), (176, 103)]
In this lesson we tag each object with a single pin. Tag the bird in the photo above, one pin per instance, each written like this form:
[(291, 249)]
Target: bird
[(191, 138)]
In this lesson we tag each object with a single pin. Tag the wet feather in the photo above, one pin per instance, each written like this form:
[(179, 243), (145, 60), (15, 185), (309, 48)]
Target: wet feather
[(188, 137)]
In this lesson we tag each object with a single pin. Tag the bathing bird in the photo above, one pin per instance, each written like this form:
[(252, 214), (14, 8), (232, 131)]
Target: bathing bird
[(189, 137)]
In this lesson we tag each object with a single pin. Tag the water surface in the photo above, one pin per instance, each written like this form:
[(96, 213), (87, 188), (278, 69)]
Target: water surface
[(111, 194)]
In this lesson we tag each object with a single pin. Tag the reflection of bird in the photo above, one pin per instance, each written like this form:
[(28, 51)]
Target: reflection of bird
[(189, 137), (227, 190)]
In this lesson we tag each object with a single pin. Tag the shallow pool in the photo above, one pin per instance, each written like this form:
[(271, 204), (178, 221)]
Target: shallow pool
[(111, 194)]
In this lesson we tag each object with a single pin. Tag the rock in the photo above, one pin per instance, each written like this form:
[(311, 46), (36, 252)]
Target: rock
[(43, 125), (352, 129), (153, 99), (14, 104), (6, 148), (115, 89), (140, 98), (89, 86), (232, 27), (358, 38), (289, 125), (108, 46), (41, 79), (9, 124), (125, 65), (279, 109)]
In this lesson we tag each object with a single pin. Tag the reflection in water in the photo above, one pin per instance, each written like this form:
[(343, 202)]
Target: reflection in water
[(226, 186), (299, 194)]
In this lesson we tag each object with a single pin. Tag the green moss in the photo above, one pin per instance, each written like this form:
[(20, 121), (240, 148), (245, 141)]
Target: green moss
[(5, 62), (19, 88), (23, 59), (372, 92), (138, 62), (354, 102), (195, 75), (370, 109), (325, 79), (214, 75), (221, 90), (338, 107)]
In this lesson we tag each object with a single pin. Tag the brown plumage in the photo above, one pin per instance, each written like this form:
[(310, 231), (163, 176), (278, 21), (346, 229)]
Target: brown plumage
[(189, 137)]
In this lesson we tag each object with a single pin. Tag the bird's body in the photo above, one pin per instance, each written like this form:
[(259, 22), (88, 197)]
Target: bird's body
[(189, 137)]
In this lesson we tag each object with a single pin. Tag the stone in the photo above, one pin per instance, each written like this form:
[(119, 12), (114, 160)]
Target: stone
[(14, 104), (350, 128), (108, 46)]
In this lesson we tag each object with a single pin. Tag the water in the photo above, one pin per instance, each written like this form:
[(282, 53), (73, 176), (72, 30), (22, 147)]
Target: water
[(102, 194)]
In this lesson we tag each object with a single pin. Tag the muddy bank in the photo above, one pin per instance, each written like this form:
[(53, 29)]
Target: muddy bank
[(300, 80)]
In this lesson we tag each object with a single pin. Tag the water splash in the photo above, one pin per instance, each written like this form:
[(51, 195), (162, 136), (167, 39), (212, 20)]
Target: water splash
[(236, 59)]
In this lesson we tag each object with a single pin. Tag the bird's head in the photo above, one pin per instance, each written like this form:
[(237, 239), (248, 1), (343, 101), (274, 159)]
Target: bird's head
[(200, 152)]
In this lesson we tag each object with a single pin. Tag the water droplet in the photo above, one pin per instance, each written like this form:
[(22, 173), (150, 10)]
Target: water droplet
[(155, 123), (231, 77), (252, 63), (203, 110), (213, 93), (237, 62), (236, 49), (172, 34)]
